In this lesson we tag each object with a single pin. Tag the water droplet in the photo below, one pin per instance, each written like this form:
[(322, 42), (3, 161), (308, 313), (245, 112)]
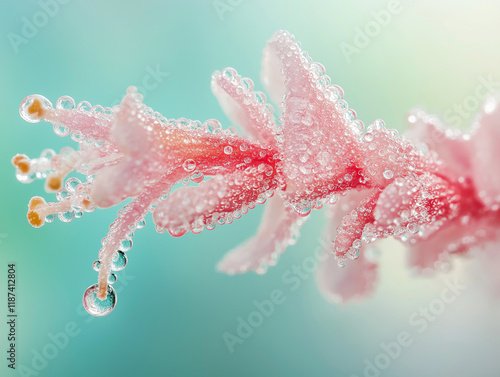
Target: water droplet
[(96, 265), (61, 130), (189, 165), (126, 245), (333, 199), (357, 127), (388, 174), (112, 278), (93, 305), (27, 102), (119, 261), (71, 184), (413, 228), (141, 224), (50, 218), (379, 123), (228, 149), (84, 106), (66, 217), (302, 209), (229, 73), (197, 177), (177, 232), (65, 103)]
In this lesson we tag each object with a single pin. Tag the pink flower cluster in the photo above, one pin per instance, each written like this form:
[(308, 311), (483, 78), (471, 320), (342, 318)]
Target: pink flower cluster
[(440, 197)]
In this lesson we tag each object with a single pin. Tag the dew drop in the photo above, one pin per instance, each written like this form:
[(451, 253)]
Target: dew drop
[(96, 265), (189, 165), (126, 245), (357, 127), (27, 102), (119, 261), (66, 217), (302, 209), (65, 103), (388, 174), (96, 307), (177, 232), (228, 150), (50, 218), (413, 228), (84, 106), (197, 177), (61, 130), (112, 278)]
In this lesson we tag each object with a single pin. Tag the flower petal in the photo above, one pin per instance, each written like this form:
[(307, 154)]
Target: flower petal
[(279, 228), (456, 237), (245, 108), (486, 141), (452, 146), (318, 134), (220, 199), (355, 280)]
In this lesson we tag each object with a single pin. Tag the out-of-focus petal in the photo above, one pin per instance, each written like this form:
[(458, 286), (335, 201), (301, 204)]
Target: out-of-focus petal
[(452, 146), (357, 279), (456, 237), (279, 228), (486, 155)]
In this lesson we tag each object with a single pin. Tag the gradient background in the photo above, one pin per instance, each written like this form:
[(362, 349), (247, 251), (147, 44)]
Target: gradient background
[(174, 308)]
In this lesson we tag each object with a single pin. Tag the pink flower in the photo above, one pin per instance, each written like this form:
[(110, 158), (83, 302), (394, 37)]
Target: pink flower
[(318, 153)]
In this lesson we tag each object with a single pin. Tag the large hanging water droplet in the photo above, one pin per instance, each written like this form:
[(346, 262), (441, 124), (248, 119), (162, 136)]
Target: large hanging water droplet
[(119, 261), (93, 305)]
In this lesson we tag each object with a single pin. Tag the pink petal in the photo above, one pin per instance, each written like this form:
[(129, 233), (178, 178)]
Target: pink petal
[(128, 177), (319, 133), (245, 108), (220, 199), (350, 230), (387, 156), (412, 202), (456, 237), (279, 228), (486, 141), (452, 146), (353, 282), (356, 279)]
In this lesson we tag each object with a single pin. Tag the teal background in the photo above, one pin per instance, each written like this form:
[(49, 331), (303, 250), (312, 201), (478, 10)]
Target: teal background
[(174, 307)]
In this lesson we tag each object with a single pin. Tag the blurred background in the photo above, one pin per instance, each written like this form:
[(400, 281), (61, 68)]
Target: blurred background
[(174, 308)]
